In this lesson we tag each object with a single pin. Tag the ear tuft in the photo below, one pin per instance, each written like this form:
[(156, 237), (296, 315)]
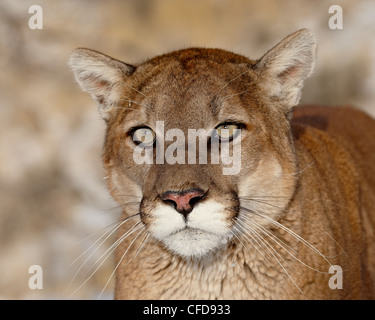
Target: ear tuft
[(100, 75), (284, 68)]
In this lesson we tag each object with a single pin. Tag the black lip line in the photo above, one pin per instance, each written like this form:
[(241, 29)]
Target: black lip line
[(190, 228)]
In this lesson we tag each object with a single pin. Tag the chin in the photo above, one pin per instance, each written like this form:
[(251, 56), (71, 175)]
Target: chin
[(195, 243)]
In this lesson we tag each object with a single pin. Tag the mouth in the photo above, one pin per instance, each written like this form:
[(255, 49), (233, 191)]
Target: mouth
[(195, 243), (191, 230), (206, 230)]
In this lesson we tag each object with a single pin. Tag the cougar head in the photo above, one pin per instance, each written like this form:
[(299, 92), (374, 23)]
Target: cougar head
[(163, 113)]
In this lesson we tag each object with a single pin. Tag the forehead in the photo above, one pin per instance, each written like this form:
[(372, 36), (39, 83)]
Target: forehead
[(186, 86), (196, 68)]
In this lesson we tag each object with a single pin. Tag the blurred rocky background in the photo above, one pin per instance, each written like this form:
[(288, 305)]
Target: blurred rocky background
[(53, 200)]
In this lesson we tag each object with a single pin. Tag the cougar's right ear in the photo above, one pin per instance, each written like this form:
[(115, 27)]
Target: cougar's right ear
[(101, 76)]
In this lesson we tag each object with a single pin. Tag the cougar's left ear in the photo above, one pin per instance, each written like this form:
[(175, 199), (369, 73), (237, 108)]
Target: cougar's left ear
[(283, 69), (101, 76)]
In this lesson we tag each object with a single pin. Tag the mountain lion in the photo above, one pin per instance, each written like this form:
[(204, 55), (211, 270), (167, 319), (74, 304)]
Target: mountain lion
[(294, 219)]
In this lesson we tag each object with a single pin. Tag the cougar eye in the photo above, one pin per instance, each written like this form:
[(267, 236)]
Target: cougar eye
[(227, 131), (145, 135)]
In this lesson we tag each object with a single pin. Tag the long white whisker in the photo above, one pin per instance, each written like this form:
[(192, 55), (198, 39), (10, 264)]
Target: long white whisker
[(251, 239), (126, 251), (306, 243), (132, 101), (303, 169), (227, 84), (110, 231), (147, 235), (281, 243), (271, 250), (225, 98), (75, 260), (120, 205), (260, 201), (141, 93), (266, 245), (113, 247), (117, 243), (113, 226), (342, 249)]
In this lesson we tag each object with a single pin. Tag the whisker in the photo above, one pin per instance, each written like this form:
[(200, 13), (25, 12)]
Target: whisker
[(228, 96), (120, 206), (264, 256), (306, 243), (147, 235), (267, 246), (282, 244), (251, 239), (92, 235), (141, 93), (254, 198), (303, 169), (129, 195), (265, 231), (217, 252), (109, 249), (260, 201), (125, 108), (239, 240), (113, 247), (114, 227), (342, 249), (227, 84), (265, 196), (132, 101), (126, 251)]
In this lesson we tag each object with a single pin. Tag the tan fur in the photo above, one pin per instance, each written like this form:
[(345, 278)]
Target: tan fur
[(303, 200)]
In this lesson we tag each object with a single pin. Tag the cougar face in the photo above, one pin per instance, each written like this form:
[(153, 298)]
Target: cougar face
[(233, 196), (188, 202)]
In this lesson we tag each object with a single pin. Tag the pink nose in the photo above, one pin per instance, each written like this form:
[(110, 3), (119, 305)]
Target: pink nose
[(183, 201)]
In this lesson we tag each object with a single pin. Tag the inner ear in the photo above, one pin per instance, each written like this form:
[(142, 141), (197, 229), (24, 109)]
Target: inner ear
[(291, 72), (100, 75), (283, 69)]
